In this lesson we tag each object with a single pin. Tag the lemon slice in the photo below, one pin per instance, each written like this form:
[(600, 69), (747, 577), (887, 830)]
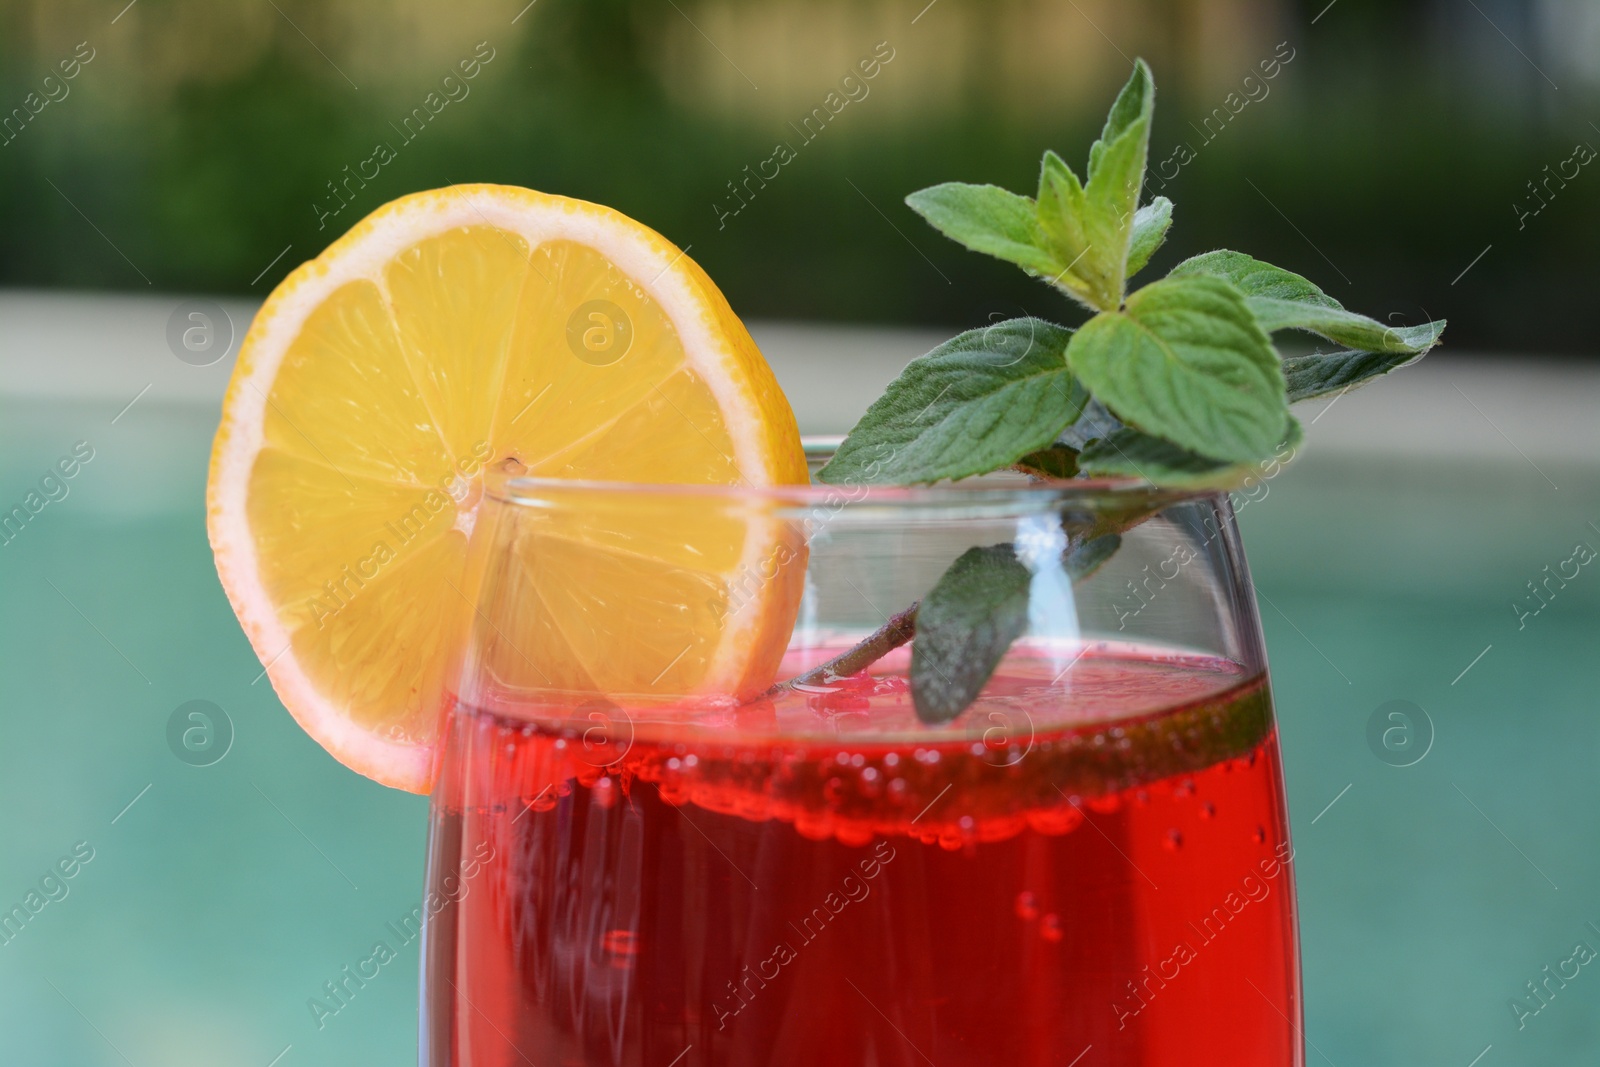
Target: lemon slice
[(448, 331)]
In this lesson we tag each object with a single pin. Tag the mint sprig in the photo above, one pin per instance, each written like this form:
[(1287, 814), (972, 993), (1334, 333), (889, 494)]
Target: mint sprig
[(1176, 383)]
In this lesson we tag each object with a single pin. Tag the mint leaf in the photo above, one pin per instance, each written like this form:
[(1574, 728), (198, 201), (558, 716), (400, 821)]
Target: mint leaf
[(1116, 177), (1131, 454), (1252, 277), (1056, 461), (1134, 105), (1087, 558), (1095, 422), (1283, 300), (1321, 373), (1062, 211), (1185, 361), (987, 219), (1150, 225), (1345, 327), (1088, 227), (966, 623), (977, 403), (974, 613)]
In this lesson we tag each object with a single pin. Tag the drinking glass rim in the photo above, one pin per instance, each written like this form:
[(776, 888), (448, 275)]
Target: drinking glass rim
[(529, 490)]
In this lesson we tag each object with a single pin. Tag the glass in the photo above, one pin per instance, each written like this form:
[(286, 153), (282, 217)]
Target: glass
[(1090, 865)]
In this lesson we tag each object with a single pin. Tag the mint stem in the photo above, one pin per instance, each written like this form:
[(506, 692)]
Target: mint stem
[(900, 628)]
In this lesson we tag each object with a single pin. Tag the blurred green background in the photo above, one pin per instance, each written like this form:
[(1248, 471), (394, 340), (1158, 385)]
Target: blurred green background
[(1390, 159), (1400, 140)]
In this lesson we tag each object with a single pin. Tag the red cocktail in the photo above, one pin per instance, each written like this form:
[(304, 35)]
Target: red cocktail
[(1096, 871)]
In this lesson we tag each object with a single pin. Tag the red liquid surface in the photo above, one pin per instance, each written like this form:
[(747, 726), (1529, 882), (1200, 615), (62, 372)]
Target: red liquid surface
[(1073, 878)]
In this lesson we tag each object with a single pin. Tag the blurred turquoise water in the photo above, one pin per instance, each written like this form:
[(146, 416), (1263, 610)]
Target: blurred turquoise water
[(225, 896)]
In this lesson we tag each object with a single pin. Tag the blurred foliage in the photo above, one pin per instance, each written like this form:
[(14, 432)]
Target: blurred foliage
[(1390, 152)]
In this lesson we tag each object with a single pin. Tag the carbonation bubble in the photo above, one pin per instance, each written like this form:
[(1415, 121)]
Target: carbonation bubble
[(1109, 804)]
